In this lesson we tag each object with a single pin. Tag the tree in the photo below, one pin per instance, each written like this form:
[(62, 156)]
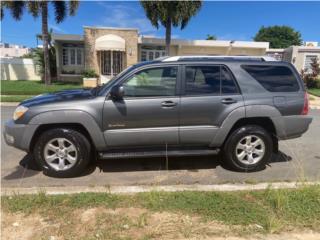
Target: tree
[(279, 36), (170, 13), (211, 37), (36, 8)]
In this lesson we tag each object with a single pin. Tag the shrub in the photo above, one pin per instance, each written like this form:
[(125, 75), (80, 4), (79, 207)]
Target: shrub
[(311, 78), (90, 73)]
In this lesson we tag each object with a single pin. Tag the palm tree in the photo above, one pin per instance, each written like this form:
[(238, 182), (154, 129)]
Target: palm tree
[(36, 8), (170, 13)]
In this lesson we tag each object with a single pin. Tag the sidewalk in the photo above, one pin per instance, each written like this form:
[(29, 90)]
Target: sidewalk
[(314, 102)]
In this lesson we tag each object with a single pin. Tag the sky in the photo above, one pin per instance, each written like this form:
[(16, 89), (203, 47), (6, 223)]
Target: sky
[(226, 20)]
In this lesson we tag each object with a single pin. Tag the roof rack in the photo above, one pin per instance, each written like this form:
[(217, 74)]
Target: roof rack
[(243, 58)]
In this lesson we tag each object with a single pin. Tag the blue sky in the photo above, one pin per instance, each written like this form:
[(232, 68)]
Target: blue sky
[(226, 20)]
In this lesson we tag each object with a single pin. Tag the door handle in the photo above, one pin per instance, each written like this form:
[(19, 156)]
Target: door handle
[(228, 101), (168, 104)]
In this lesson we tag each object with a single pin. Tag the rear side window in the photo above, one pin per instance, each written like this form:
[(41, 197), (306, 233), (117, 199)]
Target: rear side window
[(228, 85), (273, 78), (204, 80)]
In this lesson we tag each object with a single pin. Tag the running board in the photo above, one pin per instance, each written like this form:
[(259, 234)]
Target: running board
[(147, 154)]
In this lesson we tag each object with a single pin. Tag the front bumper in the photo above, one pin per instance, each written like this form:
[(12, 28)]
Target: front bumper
[(19, 135)]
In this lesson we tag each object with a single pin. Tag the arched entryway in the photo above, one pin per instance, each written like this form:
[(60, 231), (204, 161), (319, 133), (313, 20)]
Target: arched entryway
[(111, 55)]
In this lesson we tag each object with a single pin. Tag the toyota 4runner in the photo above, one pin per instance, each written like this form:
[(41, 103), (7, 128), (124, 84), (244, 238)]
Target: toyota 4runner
[(173, 106)]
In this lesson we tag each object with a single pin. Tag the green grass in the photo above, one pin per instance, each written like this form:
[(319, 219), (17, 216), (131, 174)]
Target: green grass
[(14, 98), (274, 210), (33, 87), (314, 91)]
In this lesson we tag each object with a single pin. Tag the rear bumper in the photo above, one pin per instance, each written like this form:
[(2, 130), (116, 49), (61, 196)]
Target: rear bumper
[(19, 135), (291, 126)]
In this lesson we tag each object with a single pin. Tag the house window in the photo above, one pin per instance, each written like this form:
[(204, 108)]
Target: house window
[(65, 56), (72, 56), (149, 53), (111, 62), (307, 62), (79, 56)]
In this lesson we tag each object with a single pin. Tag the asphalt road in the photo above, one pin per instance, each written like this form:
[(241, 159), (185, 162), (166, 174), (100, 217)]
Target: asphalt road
[(299, 159)]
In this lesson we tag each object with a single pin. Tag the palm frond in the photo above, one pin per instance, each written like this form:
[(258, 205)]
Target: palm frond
[(34, 8), (73, 7), (16, 8), (60, 10), (152, 11)]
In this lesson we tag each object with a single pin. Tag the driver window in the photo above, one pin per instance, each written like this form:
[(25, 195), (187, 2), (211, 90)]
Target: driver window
[(152, 82)]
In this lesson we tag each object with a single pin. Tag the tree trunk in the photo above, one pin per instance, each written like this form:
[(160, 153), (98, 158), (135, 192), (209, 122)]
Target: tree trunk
[(168, 36), (45, 40)]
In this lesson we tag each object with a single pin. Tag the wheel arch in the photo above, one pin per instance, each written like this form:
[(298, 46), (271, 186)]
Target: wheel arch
[(73, 119)]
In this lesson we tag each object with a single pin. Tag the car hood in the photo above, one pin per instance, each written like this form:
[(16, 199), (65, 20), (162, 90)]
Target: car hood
[(61, 96)]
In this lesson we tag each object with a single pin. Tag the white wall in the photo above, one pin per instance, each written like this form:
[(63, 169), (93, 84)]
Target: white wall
[(18, 69)]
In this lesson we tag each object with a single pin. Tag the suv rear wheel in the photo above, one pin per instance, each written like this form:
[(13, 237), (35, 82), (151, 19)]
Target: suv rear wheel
[(248, 148), (62, 152)]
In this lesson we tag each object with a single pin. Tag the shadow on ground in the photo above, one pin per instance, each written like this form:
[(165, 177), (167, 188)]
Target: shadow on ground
[(28, 168)]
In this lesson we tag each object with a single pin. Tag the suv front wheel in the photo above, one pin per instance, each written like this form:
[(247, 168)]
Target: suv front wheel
[(62, 152), (248, 148)]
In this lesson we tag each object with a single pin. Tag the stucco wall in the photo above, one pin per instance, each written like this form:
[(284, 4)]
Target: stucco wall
[(91, 34), (18, 69), (198, 50), (297, 55)]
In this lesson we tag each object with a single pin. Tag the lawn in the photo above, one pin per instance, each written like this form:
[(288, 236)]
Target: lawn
[(33, 87), (314, 91), (165, 215)]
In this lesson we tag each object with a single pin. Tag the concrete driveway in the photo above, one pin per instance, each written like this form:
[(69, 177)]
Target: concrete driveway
[(299, 160)]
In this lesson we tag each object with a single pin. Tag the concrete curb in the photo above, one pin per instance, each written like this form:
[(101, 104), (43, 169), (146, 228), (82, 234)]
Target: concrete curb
[(139, 189)]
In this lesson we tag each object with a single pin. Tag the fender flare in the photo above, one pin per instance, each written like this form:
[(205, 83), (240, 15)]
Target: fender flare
[(73, 116), (248, 112)]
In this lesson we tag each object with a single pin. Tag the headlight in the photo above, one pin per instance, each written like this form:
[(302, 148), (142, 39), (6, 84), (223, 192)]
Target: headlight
[(18, 113)]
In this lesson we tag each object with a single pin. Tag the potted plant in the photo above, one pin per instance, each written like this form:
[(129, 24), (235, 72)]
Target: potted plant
[(90, 78)]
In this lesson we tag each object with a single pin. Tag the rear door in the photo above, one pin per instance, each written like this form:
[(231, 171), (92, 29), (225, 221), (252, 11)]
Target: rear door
[(209, 94)]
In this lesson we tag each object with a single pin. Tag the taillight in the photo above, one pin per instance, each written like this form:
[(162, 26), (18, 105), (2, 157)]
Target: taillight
[(305, 109)]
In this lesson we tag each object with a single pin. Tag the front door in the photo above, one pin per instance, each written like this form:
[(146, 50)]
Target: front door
[(148, 113), (210, 94)]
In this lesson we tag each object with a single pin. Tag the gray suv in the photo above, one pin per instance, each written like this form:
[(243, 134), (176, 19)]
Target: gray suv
[(173, 106)]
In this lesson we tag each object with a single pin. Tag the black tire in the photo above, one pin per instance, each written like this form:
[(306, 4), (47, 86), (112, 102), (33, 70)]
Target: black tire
[(82, 146), (229, 149)]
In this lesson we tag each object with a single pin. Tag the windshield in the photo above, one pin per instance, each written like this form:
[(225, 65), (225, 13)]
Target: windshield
[(101, 89)]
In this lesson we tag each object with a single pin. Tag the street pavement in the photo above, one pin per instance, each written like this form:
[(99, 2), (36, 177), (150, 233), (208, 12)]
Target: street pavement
[(299, 159)]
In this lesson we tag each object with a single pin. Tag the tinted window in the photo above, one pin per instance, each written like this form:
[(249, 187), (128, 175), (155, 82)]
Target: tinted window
[(152, 82), (273, 78), (208, 79), (202, 80), (228, 84)]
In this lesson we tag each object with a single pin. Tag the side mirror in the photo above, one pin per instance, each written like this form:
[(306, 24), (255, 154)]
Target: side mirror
[(117, 92)]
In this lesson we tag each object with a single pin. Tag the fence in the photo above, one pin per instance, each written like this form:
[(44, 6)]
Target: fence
[(18, 69)]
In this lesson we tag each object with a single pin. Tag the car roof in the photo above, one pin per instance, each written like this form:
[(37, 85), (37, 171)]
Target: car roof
[(204, 59)]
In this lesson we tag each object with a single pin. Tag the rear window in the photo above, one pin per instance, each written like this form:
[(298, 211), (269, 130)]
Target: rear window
[(209, 79), (273, 78)]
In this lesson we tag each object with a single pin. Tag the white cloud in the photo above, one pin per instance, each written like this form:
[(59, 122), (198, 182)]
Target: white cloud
[(124, 15), (55, 28)]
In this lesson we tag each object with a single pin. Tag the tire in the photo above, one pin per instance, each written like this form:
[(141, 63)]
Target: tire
[(243, 152), (62, 152)]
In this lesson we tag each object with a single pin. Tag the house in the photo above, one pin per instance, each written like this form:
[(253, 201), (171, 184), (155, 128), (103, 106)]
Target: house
[(12, 50), (300, 56), (110, 50)]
